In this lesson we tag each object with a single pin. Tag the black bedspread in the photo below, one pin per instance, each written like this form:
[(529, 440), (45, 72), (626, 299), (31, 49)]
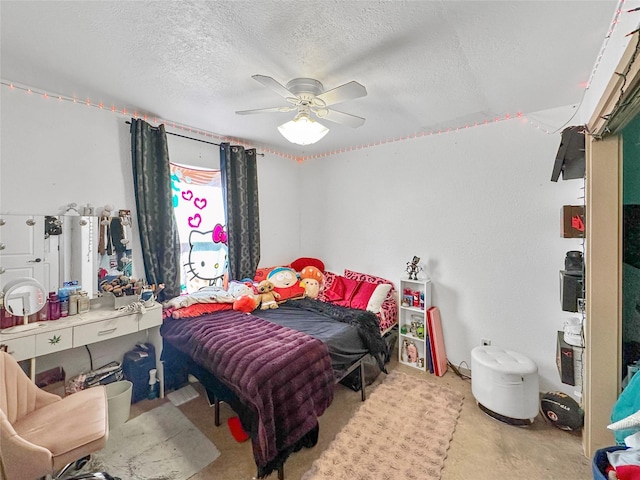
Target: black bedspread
[(331, 321)]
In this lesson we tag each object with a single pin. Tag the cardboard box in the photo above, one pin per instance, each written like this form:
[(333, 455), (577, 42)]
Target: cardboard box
[(569, 361), (572, 221)]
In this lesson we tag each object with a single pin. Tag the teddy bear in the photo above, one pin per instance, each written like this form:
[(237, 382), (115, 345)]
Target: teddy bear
[(266, 296)]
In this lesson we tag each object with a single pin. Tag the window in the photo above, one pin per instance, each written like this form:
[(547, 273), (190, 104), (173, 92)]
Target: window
[(199, 214)]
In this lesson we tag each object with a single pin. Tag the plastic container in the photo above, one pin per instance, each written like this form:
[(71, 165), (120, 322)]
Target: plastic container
[(6, 319), (600, 462), (118, 402), (73, 303), (84, 304), (54, 306), (43, 314), (153, 384), (63, 295)]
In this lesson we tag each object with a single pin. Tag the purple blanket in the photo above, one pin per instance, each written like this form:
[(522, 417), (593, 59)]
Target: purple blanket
[(285, 376)]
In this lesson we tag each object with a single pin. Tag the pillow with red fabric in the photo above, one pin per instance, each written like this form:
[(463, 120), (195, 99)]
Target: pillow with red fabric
[(350, 293), (262, 273), (366, 277), (329, 278), (299, 263)]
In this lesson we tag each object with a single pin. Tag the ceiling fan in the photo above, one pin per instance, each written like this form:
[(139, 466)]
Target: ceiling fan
[(307, 97)]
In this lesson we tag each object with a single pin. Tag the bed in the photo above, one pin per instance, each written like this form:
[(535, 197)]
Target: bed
[(276, 368)]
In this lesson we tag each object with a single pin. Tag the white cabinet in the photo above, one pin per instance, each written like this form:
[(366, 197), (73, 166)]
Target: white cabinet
[(414, 301)]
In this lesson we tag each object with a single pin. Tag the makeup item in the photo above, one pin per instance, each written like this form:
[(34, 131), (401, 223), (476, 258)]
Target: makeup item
[(54, 306), (73, 303), (84, 304), (63, 296)]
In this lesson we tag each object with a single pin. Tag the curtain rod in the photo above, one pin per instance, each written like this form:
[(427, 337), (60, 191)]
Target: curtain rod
[(191, 138)]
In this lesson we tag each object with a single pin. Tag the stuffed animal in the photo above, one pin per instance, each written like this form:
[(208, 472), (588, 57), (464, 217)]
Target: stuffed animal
[(245, 303), (285, 283), (267, 296), (312, 279)]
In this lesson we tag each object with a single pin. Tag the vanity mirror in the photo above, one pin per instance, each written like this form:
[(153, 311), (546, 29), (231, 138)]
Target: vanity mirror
[(54, 249), (23, 297)]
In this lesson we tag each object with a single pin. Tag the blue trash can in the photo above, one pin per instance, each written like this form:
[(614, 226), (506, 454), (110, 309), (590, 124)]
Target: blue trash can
[(600, 461)]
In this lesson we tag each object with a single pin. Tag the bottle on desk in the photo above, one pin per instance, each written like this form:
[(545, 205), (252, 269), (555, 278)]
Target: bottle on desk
[(54, 306), (6, 319), (63, 296), (84, 304)]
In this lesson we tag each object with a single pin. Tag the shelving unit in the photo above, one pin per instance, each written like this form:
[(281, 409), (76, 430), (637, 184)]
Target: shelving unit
[(412, 308)]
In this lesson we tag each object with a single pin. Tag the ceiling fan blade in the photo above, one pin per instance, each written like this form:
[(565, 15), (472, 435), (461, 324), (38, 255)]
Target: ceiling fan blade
[(345, 92), (266, 110), (340, 117), (274, 85)]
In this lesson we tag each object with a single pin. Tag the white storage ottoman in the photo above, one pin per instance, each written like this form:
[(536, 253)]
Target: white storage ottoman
[(505, 384)]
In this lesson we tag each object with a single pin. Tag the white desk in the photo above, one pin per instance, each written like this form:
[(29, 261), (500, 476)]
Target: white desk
[(78, 330)]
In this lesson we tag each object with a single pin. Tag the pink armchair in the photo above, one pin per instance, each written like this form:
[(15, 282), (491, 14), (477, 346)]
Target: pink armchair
[(41, 433)]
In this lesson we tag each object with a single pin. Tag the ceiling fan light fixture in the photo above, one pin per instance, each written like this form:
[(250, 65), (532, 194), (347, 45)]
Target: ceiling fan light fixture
[(303, 130)]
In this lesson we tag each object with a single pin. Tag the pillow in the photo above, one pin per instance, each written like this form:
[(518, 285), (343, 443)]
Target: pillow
[(377, 297), (261, 274), (362, 295), (338, 289), (350, 293), (329, 278), (367, 278), (302, 262)]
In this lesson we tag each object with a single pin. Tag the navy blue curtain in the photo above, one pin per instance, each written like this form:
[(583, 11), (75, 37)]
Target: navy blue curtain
[(154, 203), (239, 171)]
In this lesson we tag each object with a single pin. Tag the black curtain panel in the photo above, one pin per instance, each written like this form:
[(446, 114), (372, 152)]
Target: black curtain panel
[(156, 222), (240, 194)]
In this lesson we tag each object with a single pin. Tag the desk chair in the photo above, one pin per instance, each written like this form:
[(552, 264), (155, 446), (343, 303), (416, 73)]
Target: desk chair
[(42, 434)]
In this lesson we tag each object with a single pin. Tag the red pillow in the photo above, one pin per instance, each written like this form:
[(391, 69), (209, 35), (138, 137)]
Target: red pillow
[(329, 278), (338, 289), (350, 293), (360, 298), (302, 262), (261, 274)]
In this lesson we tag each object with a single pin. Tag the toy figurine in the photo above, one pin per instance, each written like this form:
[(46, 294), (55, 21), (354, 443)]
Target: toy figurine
[(412, 352), (403, 353), (413, 268)]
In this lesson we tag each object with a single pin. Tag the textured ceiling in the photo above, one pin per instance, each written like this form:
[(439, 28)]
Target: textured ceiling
[(427, 65)]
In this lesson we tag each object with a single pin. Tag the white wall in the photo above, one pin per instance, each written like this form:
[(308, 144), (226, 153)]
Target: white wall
[(56, 152), (480, 210), (476, 205)]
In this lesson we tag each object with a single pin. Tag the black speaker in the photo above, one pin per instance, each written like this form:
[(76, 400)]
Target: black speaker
[(571, 289), (136, 365)]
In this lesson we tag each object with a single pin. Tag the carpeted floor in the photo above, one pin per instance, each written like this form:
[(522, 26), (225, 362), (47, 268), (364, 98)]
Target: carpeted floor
[(482, 448), (401, 432)]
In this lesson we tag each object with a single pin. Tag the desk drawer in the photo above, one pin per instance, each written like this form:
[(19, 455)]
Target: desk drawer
[(98, 331), (54, 341), (152, 318), (21, 348)]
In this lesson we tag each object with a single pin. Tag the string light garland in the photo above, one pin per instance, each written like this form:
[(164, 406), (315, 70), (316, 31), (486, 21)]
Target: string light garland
[(156, 120), (224, 138)]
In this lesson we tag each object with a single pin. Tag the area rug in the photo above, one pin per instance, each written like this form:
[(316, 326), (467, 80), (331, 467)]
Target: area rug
[(402, 431), (161, 444)]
